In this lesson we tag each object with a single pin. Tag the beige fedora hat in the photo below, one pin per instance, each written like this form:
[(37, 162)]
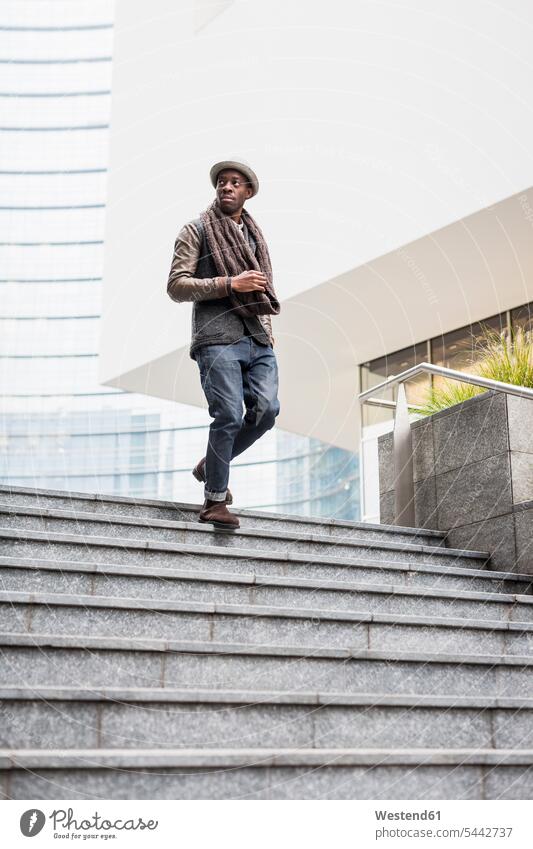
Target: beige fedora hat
[(239, 165)]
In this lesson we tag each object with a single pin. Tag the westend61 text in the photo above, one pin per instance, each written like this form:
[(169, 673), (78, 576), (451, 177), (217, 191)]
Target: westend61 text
[(407, 815)]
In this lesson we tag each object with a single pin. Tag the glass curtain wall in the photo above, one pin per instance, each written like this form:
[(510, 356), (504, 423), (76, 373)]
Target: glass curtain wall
[(59, 428), (378, 370), (458, 349), (523, 317)]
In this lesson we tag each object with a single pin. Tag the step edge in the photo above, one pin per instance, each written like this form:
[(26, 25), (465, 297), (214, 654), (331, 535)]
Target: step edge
[(254, 579), (79, 642), (259, 611), (62, 513), (148, 502), (26, 534), (319, 698), (257, 758), (204, 528), (247, 554)]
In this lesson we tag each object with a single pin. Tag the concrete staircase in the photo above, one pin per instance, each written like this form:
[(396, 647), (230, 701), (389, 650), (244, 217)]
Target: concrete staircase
[(144, 655)]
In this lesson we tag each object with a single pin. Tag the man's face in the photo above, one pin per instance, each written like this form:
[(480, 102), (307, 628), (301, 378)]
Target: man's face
[(232, 190)]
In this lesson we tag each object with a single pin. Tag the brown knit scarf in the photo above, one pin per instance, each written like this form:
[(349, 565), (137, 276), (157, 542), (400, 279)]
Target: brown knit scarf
[(232, 255)]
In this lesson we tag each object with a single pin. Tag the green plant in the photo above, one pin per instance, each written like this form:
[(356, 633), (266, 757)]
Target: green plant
[(505, 356)]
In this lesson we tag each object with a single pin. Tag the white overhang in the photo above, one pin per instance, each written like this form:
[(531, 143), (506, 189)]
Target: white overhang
[(396, 204)]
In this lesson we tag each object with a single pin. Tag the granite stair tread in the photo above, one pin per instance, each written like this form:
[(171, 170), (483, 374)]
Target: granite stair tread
[(397, 569), (206, 720), (27, 534), (96, 758), (106, 642), (48, 660), (472, 570), (51, 496), (258, 773), (101, 615), (257, 610), (202, 529), (259, 697), (254, 579)]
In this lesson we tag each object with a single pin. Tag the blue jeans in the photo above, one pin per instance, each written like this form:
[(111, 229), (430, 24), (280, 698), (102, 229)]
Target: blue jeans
[(242, 372)]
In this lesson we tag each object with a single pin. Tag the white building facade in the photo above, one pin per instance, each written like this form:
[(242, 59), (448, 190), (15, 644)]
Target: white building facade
[(60, 427), (391, 144)]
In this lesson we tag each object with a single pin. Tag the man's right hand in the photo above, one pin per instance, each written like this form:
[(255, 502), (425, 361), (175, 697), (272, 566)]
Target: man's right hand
[(249, 281)]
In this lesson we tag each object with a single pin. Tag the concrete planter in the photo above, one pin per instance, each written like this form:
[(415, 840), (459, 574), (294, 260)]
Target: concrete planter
[(473, 473)]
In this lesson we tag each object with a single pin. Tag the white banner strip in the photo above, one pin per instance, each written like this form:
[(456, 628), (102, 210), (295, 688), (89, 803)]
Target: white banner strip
[(267, 824)]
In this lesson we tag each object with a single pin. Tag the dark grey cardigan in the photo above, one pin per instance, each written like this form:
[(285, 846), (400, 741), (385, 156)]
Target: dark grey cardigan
[(213, 321)]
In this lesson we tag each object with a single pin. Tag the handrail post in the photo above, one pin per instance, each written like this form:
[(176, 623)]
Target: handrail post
[(362, 474), (404, 488)]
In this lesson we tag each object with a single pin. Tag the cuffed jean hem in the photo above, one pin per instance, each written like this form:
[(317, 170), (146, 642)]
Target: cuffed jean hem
[(215, 496)]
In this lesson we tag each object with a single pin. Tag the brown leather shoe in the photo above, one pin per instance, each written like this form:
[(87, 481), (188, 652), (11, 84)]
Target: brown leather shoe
[(217, 513), (199, 474)]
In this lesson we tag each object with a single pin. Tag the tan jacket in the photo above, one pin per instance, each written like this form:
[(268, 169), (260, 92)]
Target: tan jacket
[(183, 286)]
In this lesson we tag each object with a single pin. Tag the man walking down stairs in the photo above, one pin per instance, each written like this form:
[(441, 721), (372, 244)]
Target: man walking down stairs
[(146, 655)]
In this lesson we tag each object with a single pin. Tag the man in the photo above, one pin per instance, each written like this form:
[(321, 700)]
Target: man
[(221, 263)]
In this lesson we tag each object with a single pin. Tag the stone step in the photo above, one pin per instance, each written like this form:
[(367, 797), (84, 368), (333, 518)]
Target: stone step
[(41, 659), (199, 534), (161, 718), (150, 509), (196, 533), (468, 773), (206, 621), (251, 564), (23, 542), (175, 660), (293, 592)]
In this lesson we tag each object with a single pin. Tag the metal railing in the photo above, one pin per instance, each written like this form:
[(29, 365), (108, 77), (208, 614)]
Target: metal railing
[(404, 495)]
